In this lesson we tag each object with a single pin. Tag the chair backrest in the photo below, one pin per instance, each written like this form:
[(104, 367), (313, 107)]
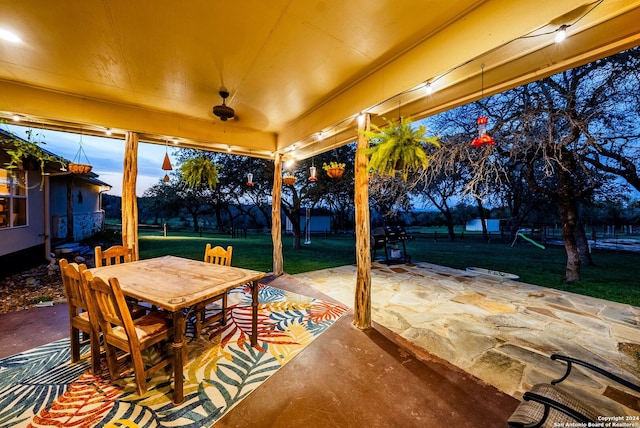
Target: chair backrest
[(218, 255), (110, 307), (74, 283), (114, 255)]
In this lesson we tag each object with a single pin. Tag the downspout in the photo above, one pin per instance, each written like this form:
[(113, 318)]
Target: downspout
[(47, 222)]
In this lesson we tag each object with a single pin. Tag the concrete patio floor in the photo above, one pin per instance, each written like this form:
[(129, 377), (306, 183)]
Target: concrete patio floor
[(448, 346), (500, 331)]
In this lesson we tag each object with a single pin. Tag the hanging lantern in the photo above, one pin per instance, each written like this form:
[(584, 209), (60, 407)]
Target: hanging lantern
[(312, 174), (249, 179), (166, 164), (483, 139)]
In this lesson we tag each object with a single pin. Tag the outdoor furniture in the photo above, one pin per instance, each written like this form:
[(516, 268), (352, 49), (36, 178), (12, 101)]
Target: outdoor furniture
[(75, 290), (119, 330), (184, 284), (546, 405), (114, 255), (390, 238), (220, 256)]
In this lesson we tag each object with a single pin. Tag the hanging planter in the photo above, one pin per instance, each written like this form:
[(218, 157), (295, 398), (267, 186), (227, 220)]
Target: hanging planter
[(289, 179), (334, 169), (80, 168), (200, 171), (399, 148)]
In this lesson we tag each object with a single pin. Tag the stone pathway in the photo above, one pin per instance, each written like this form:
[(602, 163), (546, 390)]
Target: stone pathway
[(501, 331)]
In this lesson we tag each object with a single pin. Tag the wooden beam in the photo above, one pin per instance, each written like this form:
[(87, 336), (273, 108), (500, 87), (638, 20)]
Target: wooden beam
[(129, 200), (362, 318), (276, 220)]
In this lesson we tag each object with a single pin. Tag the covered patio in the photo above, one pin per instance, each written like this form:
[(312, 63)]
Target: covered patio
[(299, 75), (300, 78)]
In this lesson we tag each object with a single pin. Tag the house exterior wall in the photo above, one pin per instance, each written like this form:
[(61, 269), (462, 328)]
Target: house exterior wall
[(31, 235), (88, 218)]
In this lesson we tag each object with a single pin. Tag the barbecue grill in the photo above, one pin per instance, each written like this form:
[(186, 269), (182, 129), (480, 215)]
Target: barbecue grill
[(390, 238)]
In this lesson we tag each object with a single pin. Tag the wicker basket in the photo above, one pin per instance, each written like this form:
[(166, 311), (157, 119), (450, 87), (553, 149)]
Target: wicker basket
[(80, 168), (335, 172)]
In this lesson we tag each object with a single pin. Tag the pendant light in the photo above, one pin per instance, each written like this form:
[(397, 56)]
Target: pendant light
[(166, 164), (483, 139)]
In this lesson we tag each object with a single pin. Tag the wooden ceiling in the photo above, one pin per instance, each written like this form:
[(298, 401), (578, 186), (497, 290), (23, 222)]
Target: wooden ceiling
[(294, 68)]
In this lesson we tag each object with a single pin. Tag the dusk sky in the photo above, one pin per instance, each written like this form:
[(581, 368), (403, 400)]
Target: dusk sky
[(106, 155)]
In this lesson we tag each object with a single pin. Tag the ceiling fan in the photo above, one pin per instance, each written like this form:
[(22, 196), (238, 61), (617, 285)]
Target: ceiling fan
[(223, 111)]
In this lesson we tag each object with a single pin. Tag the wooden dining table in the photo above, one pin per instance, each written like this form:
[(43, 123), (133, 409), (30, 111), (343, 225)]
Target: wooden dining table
[(176, 284)]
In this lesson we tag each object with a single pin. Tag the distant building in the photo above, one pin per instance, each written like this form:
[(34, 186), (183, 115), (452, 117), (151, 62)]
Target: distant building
[(319, 221), (475, 225)]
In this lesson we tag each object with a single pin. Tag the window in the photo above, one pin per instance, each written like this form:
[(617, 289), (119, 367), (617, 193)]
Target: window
[(13, 198)]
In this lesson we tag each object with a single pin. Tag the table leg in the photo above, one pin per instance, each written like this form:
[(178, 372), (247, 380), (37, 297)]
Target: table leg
[(254, 313), (179, 328)]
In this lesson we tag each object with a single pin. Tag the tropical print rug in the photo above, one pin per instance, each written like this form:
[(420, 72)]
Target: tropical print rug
[(41, 388)]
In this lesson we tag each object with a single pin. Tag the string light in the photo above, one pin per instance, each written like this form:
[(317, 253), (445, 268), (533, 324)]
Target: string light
[(561, 34), (428, 89)]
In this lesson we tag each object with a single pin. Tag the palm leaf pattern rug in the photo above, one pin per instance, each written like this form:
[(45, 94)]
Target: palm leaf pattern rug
[(41, 388)]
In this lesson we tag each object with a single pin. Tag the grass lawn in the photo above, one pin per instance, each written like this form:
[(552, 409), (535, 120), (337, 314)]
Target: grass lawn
[(614, 276)]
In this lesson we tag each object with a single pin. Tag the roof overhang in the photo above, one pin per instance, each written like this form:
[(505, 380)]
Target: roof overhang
[(295, 70)]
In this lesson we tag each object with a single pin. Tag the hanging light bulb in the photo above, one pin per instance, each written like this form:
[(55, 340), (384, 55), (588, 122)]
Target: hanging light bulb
[(561, 34)]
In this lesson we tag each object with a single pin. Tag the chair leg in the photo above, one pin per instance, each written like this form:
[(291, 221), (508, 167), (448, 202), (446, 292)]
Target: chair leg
[(75, 344), (95, 353), (224, 309), (198, 324), (112, 361), (138, 369)]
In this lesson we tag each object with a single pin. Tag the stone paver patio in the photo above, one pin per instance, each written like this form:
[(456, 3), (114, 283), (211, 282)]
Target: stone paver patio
[(501, 331)]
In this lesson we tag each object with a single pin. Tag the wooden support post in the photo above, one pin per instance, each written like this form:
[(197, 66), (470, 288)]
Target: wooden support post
[(276, 221), (362, 318), (129, 200)]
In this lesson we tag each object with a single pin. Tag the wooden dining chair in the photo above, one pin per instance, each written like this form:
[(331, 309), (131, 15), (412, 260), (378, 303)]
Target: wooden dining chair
[(121, 331), (220, 256), (74, 280), (114, 255)]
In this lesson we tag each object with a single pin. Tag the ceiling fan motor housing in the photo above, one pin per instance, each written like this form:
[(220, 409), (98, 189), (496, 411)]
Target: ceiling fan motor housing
[(224, 112)]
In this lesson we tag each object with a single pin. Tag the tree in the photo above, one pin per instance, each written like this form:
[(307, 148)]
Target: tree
[(162, 200), (330, 192), (556, 138)]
